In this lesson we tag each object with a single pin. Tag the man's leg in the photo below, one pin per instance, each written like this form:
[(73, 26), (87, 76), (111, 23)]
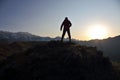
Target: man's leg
[(68, 31), (64, 31)]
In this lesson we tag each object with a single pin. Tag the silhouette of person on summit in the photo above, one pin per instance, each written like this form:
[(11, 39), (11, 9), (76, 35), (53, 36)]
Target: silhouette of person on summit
[(67, 24)]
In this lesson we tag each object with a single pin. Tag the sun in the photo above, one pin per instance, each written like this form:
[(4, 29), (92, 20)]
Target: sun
[(97, 32)]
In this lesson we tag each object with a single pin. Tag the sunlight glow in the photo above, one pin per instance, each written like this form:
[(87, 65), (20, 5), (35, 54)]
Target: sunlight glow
[(97, 32)]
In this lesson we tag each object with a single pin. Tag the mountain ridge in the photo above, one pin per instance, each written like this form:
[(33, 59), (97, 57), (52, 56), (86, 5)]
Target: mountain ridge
[(110, 46), (21, 36)]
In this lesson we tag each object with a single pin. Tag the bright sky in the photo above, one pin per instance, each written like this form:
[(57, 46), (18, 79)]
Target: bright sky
[(44, 17)]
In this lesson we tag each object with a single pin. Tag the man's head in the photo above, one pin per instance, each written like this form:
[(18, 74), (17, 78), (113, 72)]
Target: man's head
[(66, 18)]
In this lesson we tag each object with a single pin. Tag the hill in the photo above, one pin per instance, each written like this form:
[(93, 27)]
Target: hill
[(56, 61), (109, 46)]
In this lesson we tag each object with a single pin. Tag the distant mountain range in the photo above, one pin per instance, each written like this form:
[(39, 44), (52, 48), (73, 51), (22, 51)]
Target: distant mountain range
[(21, 36), (109, 46), (6, 36)]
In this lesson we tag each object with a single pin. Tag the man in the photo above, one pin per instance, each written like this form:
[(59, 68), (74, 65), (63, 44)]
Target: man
[(67, 24)]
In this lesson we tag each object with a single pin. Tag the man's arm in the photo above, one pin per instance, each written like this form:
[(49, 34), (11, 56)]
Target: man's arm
[(61, 26), (70, 24)]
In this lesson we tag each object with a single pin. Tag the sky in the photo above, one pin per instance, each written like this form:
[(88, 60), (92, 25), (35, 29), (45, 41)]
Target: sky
[(44, 17)]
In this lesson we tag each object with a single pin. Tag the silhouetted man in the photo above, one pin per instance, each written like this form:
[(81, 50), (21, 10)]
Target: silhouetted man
[(67, 24)]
